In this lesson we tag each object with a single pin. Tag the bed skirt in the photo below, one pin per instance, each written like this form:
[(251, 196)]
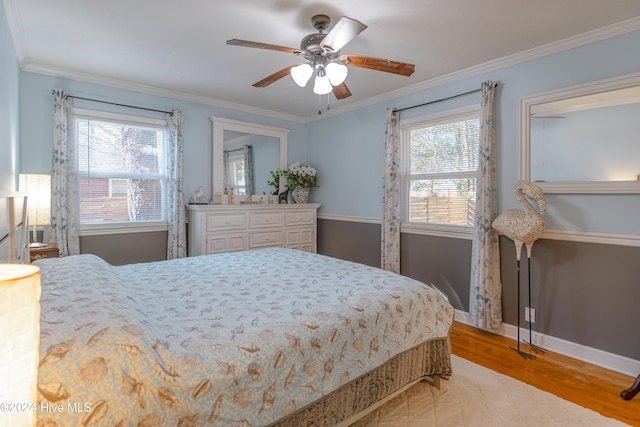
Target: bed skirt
[(431, 358)]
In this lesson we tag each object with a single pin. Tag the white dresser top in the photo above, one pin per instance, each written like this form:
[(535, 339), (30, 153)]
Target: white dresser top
[(252, 207)]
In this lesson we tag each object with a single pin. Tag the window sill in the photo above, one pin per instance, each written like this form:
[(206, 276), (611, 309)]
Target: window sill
[(122, 228), (439, 230)]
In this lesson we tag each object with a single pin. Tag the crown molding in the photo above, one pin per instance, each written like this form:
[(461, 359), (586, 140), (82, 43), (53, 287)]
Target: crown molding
[(589, 37), (152, 90), (613, 30)]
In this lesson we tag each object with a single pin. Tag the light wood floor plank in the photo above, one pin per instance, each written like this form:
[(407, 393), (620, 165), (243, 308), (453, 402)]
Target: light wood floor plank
[(574, 380)]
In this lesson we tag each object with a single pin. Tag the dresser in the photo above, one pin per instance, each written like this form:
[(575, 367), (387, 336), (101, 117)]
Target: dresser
[(226, 228), (49, 251)]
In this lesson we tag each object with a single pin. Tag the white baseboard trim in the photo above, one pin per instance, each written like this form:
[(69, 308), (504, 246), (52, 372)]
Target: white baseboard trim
[(591, 355)]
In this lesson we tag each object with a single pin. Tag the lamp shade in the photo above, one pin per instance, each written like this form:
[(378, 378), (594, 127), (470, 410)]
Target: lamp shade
[(19, 343), (38, 189), (337, 73), (301, 74), (322, 85)]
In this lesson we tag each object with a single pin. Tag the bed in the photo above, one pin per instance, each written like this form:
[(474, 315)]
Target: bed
[(275, 337)]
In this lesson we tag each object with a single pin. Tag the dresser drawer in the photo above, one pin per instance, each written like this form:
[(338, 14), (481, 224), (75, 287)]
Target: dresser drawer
[(262, 220), (226, 222), (300, 218), (296, 237), (219, 243), (265, 239)]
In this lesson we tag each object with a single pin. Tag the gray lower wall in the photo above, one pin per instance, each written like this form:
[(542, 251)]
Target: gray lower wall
[(353, 241), (441, 261), (118, 249), (584, 293), (434, 260)]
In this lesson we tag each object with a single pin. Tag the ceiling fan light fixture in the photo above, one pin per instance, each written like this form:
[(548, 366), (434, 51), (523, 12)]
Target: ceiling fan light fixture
[(322, 85), (337, 73), (301, 74)]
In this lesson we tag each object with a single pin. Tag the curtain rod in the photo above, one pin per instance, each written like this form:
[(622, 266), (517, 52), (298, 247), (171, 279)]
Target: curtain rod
[(119, 105), (440, 100)]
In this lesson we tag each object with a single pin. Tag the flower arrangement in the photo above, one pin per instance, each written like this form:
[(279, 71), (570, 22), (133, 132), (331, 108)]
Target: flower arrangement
[(301, 175)]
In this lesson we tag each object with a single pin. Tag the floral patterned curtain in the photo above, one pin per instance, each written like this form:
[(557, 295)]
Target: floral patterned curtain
[(64, 206), (486, 289), (176, 247), (247, 150), (390, 250), (225, 176)]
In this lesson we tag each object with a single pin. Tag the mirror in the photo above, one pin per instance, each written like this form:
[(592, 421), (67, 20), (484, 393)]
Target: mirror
[(249, 159), (267, 144), (583, 139)]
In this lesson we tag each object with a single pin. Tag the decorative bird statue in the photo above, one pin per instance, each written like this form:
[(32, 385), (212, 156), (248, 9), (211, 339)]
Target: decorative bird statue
[(523, 227)]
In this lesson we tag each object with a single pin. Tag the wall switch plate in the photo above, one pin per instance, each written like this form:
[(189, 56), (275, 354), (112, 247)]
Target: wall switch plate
[(530, 314)]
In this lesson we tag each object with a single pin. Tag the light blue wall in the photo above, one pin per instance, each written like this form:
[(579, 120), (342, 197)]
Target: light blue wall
[(36, 125), (347, 149), (9, 105)]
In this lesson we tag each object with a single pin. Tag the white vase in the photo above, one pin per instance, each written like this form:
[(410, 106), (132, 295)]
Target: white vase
[(300, 194)]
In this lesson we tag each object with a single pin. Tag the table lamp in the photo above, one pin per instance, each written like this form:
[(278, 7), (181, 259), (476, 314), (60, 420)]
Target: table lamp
[(38, 189), (19, 343)]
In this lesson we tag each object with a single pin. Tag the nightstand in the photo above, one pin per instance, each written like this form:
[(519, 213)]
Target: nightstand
[(49, 251)]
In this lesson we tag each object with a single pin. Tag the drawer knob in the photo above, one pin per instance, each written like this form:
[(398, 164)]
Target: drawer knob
[(226, 222)]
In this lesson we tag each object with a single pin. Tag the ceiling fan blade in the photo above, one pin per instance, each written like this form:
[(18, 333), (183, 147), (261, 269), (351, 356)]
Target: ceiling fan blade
[(258, 45), (274, 77), (341, 91), (342, 33), (386, 65)]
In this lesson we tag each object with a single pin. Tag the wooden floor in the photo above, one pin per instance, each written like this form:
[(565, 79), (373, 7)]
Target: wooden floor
[(579, 382)]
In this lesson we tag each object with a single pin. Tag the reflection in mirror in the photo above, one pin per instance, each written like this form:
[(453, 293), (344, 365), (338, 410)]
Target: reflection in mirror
[(583, 139), (248, 158), (244, 153)]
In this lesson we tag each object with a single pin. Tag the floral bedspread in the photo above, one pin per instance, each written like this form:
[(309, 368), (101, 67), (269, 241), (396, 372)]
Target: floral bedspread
[(235, 339)]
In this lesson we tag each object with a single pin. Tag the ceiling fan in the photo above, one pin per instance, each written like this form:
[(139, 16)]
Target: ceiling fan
[(322, 53)]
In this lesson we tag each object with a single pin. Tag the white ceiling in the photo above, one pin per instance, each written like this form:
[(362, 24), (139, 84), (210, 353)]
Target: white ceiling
[(177, 47)]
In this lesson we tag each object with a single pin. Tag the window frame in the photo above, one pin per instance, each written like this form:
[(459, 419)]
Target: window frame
[(94, 229), (234, 159), (406, 126)]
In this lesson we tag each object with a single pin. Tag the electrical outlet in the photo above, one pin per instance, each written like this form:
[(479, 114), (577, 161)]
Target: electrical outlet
[(530, 314)]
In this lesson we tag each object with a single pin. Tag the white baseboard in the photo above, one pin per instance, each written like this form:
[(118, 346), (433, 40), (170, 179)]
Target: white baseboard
[(591, 355)]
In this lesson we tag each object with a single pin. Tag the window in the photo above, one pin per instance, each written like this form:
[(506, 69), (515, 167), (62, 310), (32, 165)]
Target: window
[(121, 172), (236, 174), (440, 164)]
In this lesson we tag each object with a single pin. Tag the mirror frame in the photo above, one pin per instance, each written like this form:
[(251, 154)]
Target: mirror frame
[(219, 125), (524, 137)]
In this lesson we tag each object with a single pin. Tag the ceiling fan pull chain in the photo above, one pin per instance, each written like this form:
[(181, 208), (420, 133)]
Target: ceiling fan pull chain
[(328, 102), (319, 105)]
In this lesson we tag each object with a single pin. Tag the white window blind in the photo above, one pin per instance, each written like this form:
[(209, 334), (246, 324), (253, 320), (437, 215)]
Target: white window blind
[(440, 173), (121, 170), (236, 174)]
